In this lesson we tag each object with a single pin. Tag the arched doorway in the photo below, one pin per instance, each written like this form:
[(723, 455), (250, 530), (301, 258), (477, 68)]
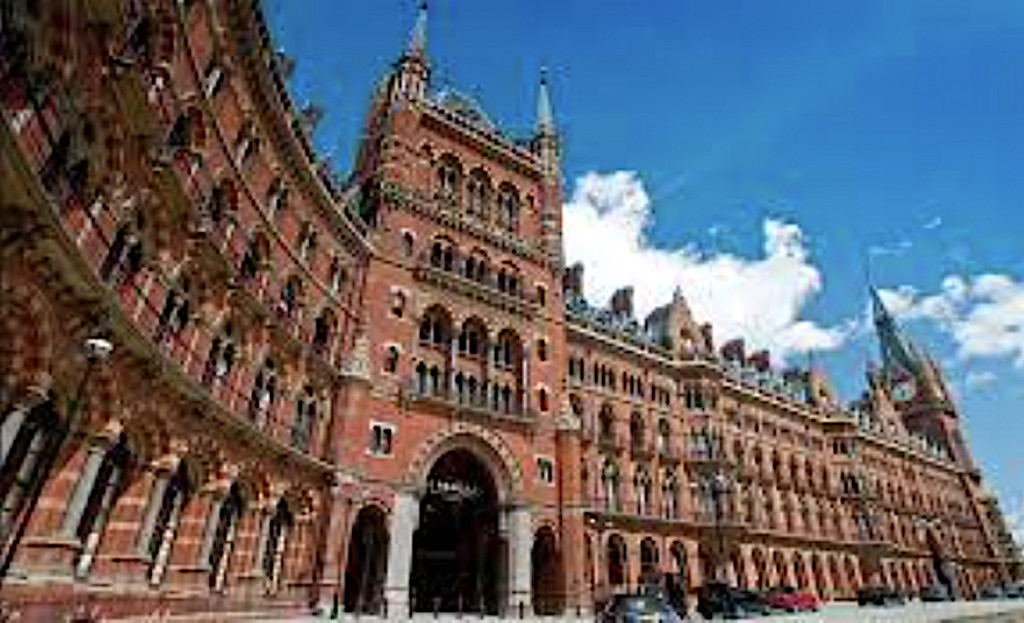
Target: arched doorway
[(761, 568), (457, 557), (367, 562), (942, 569), (616, 560), (648, 561), (545, 576)]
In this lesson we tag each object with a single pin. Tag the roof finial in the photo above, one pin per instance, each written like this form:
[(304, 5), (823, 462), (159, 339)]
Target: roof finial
[(418, 37), (545, 118)]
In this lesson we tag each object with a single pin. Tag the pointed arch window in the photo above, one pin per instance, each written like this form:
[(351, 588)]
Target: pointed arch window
[(305, 417), (449, 177), (220, 359), (34, 438), (175, 313), (223, 544), (264, 391), (161, 538), (277, 539), (508, 207), (610, 485), (478, 191), (108, 483), (124, 257)]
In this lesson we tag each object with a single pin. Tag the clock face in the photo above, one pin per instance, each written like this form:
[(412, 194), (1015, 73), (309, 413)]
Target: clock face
[(904, 390)]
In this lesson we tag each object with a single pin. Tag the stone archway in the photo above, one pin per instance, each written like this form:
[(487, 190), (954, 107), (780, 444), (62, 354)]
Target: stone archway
[(546, 578), (457, 552), (617, 557), (367, 562), (649, 564)]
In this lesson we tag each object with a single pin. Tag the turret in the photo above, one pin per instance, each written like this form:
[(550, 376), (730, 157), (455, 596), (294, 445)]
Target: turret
[(413, 70), (546, 146), (546, 133)]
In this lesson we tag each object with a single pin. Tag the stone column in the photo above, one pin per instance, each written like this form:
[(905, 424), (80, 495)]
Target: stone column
[(520, 543), (404, 521), (156, 498), (80, 494)]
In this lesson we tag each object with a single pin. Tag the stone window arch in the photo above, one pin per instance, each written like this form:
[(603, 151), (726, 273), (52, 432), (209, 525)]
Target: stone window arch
[(324, 328), (229, 515), (107, 483), (278, 530), (221, 357), (291, 297), (449, 177), (264, 392), (256, 258), (436, 326), (277, 198), (478, 194), (304, 420), (443, 253), (172, 502), (508, 207)]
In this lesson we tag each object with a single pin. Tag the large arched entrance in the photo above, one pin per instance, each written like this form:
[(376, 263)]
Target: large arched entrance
[(616, 556), (367, 562), (544, 565), (457, 559)]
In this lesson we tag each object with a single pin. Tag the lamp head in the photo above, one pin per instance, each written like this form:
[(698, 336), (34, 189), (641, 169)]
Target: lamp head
[(98, 348)]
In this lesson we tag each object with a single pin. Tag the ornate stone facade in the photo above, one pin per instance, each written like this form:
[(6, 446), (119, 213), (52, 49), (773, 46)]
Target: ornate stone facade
[(311, 383)]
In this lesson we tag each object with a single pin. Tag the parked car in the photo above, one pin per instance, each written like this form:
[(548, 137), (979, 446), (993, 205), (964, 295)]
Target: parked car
[(878, 596), (1014, 591), (717, 599), (791, 600), (936, 592), (648, 607)]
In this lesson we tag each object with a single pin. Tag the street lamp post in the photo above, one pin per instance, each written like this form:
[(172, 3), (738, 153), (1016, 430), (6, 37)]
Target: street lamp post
[(97, 350)]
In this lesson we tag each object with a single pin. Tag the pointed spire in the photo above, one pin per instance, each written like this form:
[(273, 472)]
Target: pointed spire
[(545, 118), (899, 355), (417, 47)]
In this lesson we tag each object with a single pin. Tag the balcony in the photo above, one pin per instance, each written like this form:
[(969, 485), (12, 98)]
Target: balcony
[(485, 291), (470, 406)]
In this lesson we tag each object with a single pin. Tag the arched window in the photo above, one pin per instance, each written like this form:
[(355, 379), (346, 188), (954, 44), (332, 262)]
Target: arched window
[(305, 418), (277, 538), (542, 399), (336, 276), (472, 338), (264, 391), (109, 481), (247, 144), (391, 359), (508, 350), (636, 431), (323, 330), (449, 177), (220, 358), (442, 254), (478, 191), (435, 327), (176, 494), (642, 482), (664, 437), (291, 297), (223, 544), (610, 484), (606, 421), (670, 494), (124, 257), (277, 199), (306, 242), (508, 207), (175, 313), (256, 258), (30, 439)]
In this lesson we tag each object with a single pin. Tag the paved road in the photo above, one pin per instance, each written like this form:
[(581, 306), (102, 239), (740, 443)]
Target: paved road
[(914, 612)]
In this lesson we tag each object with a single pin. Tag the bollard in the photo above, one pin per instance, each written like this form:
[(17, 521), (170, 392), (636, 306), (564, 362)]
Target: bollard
[(384, 607), (334, 607), (437, 606), (522, 610), (459, 614), (412, 601), (579, 610)]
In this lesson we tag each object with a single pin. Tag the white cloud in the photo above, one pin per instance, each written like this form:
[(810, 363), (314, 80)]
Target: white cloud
[(933, 223), (979, 380), (1014, 517), (984, 314), (760, 299)]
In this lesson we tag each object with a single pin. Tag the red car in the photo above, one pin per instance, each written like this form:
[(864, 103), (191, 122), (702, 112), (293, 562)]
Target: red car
[(791, 600)]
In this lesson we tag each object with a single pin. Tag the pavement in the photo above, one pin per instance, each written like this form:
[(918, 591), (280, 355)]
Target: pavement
[(1001, 611)]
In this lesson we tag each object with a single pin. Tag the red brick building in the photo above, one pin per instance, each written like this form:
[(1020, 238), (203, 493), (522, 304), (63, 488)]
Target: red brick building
[(389, 394)]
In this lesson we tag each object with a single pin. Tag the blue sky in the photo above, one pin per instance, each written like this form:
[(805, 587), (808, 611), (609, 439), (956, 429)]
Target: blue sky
[(785, 142)]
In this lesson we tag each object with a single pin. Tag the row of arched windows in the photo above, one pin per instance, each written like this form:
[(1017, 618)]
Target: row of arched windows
[(476, 266), (31, 440), (477, 196)]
